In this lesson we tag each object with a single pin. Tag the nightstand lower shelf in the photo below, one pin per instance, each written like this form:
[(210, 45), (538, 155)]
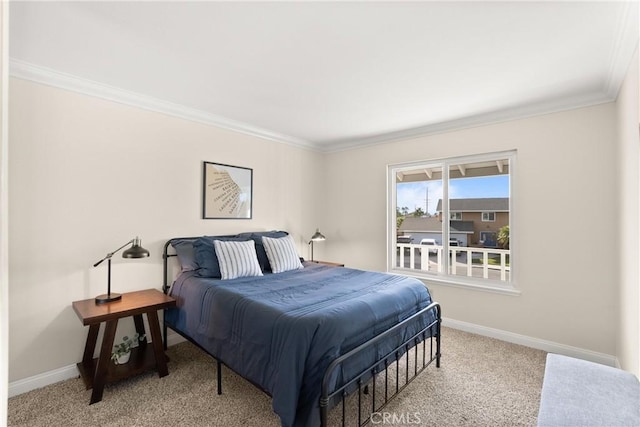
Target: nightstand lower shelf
[(142, 360)]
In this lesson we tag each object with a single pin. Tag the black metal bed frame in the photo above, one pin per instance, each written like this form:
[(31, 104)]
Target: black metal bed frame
[(368, 376)]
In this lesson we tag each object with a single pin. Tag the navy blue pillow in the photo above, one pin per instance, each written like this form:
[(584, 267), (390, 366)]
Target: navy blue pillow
[(186, 254), (256, 236), (206, 254)]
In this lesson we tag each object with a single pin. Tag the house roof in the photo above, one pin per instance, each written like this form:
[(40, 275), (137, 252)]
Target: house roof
[(433, 225), (495, 204)]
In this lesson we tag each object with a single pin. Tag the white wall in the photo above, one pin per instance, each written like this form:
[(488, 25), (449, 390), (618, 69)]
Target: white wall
[(70, 203), (628, 346), (4, 224), (87, 175), (565, 202)]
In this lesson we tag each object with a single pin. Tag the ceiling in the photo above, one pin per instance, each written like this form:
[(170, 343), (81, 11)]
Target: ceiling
[(331, 75)]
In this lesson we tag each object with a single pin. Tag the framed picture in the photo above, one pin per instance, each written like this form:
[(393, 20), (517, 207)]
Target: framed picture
[(227, 191)]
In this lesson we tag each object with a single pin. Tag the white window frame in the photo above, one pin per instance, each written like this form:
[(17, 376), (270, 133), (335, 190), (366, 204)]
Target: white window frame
[(444, 278), (488, 219), (457, 215)]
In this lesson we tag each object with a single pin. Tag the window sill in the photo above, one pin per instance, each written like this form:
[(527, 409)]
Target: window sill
[(482, 285)]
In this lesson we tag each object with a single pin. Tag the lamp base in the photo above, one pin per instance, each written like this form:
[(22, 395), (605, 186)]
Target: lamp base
[(102, 299)]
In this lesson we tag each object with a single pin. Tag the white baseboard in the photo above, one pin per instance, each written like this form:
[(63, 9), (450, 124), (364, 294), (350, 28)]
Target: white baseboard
[(43, 380), (174, 338), (537, 343), (64, 373), (71, 371)]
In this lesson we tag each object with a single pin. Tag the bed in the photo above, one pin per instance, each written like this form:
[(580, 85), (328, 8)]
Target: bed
[(310, 336)]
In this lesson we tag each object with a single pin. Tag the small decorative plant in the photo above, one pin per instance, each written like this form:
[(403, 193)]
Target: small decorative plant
[(122, 351)]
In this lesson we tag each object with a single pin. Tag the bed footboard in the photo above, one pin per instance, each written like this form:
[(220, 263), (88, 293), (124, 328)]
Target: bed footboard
[(371, 374)]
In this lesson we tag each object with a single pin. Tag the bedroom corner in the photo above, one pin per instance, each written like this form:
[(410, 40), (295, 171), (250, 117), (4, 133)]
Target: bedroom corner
[(72, 202)]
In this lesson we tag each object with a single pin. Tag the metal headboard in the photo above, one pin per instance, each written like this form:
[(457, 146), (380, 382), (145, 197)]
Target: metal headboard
[(166, 286)]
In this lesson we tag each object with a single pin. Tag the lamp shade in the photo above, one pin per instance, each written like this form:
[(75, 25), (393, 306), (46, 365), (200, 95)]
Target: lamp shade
[(135, 251), (318, 236)]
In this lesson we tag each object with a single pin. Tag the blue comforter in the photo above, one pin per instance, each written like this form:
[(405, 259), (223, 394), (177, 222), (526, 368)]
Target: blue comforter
[(281, 331)]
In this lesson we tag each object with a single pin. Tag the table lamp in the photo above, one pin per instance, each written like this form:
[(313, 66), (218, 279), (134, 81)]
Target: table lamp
[(135, 251), (317, 237)]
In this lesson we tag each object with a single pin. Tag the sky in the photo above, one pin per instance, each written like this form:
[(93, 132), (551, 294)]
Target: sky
[(414, 194)]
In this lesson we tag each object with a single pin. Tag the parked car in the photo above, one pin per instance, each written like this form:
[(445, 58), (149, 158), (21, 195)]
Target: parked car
[(454, 243), (430, 242)]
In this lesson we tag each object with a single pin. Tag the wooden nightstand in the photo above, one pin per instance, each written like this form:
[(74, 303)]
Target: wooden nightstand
[(98, 372), (331, 264)]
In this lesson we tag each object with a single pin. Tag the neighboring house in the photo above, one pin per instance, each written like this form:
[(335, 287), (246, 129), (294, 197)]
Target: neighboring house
[(431, 228), (488, 215), (474, 222)]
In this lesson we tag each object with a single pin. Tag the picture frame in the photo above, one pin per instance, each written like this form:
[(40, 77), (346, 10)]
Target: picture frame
[(227, 191)]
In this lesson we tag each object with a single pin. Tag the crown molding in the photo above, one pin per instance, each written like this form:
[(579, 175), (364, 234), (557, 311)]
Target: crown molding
[(47, 76), (627, 42), (486, 119), (620, 62), (624, 47)]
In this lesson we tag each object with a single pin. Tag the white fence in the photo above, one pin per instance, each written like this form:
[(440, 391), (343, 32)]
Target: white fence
[(485, 263)]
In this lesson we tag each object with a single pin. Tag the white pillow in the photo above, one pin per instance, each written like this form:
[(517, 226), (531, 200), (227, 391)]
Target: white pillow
[(282, 254), (237, 259)]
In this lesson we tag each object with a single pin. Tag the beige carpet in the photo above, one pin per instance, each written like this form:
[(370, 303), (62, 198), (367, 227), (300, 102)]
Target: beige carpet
[(481, 382)]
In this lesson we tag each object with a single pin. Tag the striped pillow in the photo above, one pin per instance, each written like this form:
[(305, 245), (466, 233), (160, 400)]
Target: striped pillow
[(237, 259), (282, 254)]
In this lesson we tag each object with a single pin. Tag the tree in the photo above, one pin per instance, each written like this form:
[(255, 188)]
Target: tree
[(418, 212), (503, 237)]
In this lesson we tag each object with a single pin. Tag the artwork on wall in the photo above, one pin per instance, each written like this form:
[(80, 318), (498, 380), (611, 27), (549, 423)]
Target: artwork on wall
[(227, 191)]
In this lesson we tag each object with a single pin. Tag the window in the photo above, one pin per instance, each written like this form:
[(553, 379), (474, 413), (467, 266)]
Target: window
[(429, 200), (488, 216)]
